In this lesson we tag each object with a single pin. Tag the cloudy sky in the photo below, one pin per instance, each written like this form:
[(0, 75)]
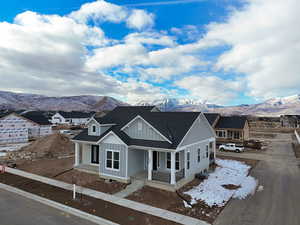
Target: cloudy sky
[(220, 51)]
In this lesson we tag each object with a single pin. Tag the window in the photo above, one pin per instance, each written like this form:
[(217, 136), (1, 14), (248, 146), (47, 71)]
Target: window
[(230, 134), (112, 160), (95, 154), (94, 128), (236, 135), (177, 160), (199, 156), (188, 160), (140, 126), (221, 133), (206, 151)]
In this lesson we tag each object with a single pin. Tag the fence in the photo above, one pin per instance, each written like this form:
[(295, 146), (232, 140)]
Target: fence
[(297, 136)]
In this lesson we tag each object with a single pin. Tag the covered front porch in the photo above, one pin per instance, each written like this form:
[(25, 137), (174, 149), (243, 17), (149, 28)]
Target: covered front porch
[(163, 169)]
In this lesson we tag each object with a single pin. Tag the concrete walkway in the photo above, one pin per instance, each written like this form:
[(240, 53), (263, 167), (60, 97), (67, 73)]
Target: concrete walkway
[(134, 186), (162, 213)]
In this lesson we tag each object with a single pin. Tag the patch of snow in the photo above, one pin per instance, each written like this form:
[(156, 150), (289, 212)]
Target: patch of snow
[(12, 147), (248, 186), (260, 188), (211, 190), (186, 205)]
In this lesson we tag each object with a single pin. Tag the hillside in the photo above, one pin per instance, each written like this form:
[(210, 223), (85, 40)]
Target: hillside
[(16, 101)]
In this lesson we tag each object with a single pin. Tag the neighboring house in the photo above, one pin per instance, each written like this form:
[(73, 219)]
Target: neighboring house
[(232, 129), (16, 128), (166, 149), (71, 118), (290, 121), (229, 128)]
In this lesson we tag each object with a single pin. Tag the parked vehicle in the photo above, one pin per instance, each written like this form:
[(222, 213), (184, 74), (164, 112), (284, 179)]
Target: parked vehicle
[(68, 132), (231, 147)]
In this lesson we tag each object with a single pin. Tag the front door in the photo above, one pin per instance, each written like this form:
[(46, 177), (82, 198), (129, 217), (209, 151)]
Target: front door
[(155, 160), (95, 154)]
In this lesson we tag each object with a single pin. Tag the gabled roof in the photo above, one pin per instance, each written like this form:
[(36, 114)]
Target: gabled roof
[(76, 114), (37, 117), (211, 117), (173, 125), (234, 122)]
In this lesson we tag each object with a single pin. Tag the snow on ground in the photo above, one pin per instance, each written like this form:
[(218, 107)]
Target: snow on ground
[(11, 147), (213, 193)]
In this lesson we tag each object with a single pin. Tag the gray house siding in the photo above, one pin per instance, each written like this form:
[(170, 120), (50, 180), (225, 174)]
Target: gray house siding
[(195, 166), (198, 132), (136, 161), (123, 152), (99, 129), (86, 154), (146, 133), (90, 125)]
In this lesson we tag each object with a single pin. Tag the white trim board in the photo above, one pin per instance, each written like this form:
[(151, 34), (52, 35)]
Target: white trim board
[(111, 133), (139, 117)]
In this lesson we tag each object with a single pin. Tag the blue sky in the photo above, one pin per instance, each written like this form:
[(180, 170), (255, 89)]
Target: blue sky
[(135, 50)]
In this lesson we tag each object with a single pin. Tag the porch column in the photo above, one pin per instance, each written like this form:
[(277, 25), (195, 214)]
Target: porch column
[(173, 179), (150, 164), (76, 154)]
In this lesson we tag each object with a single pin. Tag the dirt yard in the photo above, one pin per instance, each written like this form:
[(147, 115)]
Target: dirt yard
[(98, 207), (62, 169)]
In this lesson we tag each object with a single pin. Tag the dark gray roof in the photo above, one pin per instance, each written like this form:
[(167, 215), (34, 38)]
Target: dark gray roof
[(76, 114), (37, 117), (234, 122), (211, 117), (173, 125)]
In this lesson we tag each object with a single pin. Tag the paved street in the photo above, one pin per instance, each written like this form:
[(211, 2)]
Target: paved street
[(279, 202), (18, 210)]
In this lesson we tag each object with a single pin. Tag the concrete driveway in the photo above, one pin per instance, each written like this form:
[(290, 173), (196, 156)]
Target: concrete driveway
[(279, 202), (18, 210)]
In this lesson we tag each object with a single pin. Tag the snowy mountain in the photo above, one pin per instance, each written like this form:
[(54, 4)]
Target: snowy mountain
[(173, 104), (271, 107), (15, 101)]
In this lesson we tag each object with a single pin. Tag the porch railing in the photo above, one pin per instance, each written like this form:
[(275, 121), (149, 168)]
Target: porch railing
[(163, 176)]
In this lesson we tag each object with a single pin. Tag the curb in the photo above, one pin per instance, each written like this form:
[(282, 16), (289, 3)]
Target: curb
[(67, 209)]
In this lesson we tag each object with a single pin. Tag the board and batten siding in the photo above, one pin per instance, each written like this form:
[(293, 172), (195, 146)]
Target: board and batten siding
[(199, 131), (136, 161), (99, 129), (195, 166), (146, 133), (86, 153), (123, 152)]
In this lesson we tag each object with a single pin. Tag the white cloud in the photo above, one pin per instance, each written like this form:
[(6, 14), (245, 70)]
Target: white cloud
[(211, 88), (265, 44), (139, 19), (100, 11)]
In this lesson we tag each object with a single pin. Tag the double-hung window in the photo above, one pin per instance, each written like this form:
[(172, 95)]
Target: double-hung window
[(177, 161), (206, 151), (198, 155), (112, 159), (188, 160)]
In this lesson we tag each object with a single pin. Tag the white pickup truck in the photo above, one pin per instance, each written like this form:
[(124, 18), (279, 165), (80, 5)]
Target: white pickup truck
[(231, 147)]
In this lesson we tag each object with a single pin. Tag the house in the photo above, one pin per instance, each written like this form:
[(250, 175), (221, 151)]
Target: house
[(229, 128), (166, 149), (232, 128), (71, 118), (17, 128), (290, 121)]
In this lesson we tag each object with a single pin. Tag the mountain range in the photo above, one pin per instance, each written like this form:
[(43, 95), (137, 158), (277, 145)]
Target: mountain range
[(16, 101), (271, 107)]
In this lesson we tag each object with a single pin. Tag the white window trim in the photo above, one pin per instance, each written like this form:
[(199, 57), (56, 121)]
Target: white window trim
[(166, 160), (199, 155), (188, 160), (112, 150)]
